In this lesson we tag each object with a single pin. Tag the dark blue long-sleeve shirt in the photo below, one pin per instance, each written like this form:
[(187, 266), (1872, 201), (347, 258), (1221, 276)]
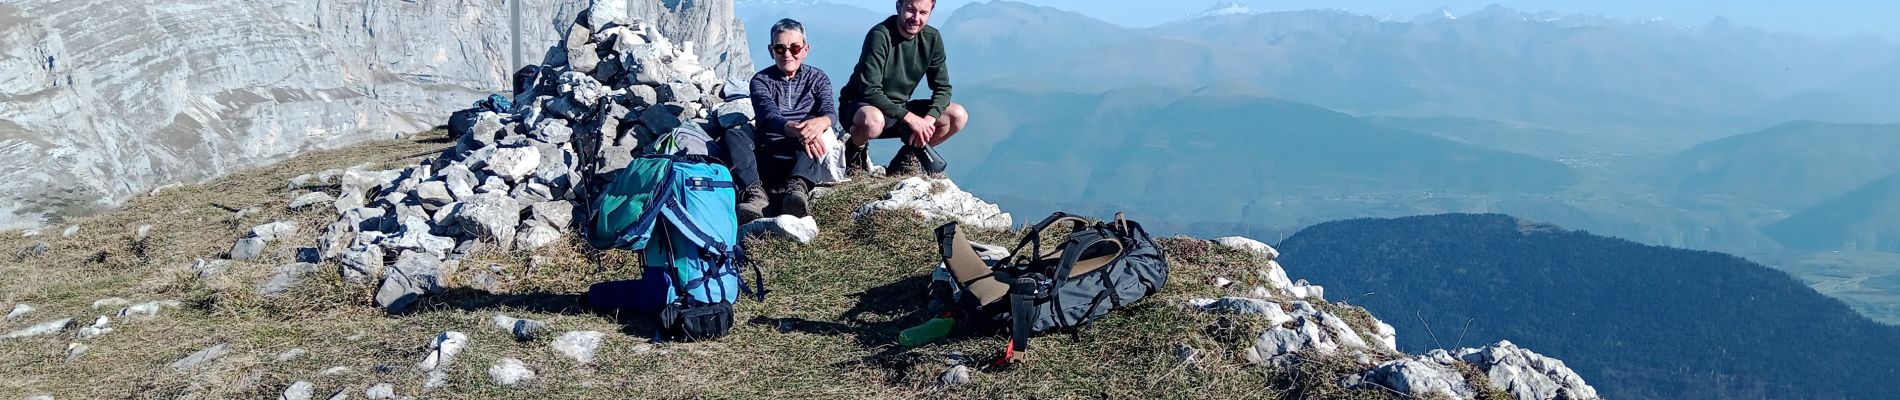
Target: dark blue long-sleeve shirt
[(777, 100)]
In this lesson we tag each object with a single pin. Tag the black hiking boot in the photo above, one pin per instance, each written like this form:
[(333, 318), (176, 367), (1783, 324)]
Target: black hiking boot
[(905, 163), (752, 203), (797, 200), (857, 159)]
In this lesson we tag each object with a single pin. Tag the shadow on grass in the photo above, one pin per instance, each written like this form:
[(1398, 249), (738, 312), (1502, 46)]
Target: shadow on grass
[(474, 300), (907, 304)]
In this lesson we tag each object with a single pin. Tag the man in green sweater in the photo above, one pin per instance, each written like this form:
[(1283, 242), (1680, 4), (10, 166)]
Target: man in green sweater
[(898, 53)]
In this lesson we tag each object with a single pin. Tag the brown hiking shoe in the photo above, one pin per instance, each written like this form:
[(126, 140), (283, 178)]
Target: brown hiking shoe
[(857, 159), (752, 203), (797, 200), (905, 163)]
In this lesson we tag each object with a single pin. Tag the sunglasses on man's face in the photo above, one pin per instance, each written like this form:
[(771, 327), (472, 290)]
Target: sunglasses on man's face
[(784, 49)]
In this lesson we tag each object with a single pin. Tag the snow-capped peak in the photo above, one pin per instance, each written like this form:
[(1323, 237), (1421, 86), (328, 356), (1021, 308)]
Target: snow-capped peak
[(1443, 13), (1225, 8)]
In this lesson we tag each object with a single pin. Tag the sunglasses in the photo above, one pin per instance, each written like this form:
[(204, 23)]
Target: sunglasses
[(784, 49)]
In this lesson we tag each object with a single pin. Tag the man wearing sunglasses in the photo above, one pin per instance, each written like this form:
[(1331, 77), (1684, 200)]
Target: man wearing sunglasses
[(898, 53), (794, 110)]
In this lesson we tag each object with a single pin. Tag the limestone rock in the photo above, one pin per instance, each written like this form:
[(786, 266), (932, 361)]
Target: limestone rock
[(579, 345), (939, 198), (300, 390), (413, 276), (311, 200), (1425, 375), (147, 309), (799, 229), (522, 329), (19, 310), (491, 216), (513, 163), (98, 327), (1310, 329), (110, 302), (557, 214), (44, 328), (509, 372), (1275, 276), (361, 263), (434, 193), (1526, 374), (443, 349), (204, 269), (200, 357), (1249, 245), (381, 391), (74, 350), (1244, 306), (954, 376), (286, 276), (534, 235), (248, 248), (458, 179)]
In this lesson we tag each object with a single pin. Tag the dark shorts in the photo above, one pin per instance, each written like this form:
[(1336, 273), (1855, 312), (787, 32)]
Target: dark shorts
[(892, 127)]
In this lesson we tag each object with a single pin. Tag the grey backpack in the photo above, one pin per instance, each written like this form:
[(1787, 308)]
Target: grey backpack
[(1097, 268)]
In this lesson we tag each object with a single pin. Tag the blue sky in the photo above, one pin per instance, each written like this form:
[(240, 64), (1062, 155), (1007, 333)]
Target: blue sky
[(1820, 17)]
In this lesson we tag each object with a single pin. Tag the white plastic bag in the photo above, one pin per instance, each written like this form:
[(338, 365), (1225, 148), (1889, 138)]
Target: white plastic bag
[(827, 170)]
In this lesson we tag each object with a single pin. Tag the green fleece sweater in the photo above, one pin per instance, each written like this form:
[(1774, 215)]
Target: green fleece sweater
[(890, 67)]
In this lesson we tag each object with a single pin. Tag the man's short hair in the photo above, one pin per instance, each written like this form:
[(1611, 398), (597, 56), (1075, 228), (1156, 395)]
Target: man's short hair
[(901, 3), (787, 25)]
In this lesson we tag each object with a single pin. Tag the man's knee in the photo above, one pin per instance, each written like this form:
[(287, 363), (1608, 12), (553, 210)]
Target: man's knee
[(869, 120), (957, 116)]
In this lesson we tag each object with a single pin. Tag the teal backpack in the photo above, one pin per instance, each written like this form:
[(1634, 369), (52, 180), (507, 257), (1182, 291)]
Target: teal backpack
[(680, 213)]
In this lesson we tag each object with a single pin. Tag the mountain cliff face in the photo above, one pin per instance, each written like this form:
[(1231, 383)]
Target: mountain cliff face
[(101, 100)]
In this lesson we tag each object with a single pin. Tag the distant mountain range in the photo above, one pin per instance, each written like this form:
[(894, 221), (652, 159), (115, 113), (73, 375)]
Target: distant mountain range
[(1262, 123), (1642, 322), (1224, 156), (1573, 72)]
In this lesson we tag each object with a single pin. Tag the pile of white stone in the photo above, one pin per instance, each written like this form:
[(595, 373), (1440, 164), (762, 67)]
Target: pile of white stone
[(518, 180), (939, 199), (1522, 373), (1296, 328)]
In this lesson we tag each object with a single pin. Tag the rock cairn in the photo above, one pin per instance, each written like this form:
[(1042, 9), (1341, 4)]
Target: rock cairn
[(520, 179)]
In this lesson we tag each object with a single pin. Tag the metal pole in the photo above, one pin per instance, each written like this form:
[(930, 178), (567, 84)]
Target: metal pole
[(514, 22)]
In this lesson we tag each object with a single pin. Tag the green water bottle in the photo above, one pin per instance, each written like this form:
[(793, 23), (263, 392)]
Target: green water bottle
[(930, 331)]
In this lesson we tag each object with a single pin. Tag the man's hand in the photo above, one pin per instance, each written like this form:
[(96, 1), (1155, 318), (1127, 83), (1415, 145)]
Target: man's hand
[(922, 128), (814, 146)]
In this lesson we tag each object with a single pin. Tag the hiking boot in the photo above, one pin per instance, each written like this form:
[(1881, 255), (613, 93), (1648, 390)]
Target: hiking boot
[(797, 200), (905, 163), (752, 202), (857, 159)]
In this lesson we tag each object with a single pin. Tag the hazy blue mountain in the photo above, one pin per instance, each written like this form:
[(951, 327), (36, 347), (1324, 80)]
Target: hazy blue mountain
[(1223, 155), (1575, 72), (1867, 218), (1793, 165), (1640, 322)]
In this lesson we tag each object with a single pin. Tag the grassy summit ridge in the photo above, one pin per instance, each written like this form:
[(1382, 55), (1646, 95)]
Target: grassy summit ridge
[(827, 331)]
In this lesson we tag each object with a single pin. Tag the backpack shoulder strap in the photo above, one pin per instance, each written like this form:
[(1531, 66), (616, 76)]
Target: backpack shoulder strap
[(967, 267), (1033, 237)]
